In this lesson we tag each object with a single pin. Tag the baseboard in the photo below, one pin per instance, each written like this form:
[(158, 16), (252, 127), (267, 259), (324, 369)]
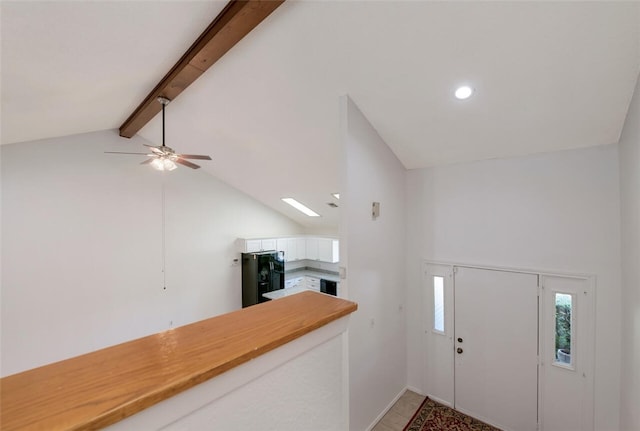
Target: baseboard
[(384, 412), (416, 390), (441, 401), (436, 399)]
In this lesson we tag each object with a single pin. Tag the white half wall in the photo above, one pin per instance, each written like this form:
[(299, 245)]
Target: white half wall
[(299, 386), (82, 246), (630, 234), (557, 212), (375, 253)]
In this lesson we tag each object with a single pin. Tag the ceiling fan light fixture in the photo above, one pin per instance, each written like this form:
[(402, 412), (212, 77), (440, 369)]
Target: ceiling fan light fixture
[(157, 164), (163, 164), (169, 165)]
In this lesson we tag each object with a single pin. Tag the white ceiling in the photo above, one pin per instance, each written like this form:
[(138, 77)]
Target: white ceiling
[(548, 76)]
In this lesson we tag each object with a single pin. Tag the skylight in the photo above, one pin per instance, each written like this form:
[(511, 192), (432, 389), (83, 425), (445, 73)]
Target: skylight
[(300, 207)]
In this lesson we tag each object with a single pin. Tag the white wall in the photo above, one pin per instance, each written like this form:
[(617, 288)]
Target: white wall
[(375, 253), (556, 211), (630, 234), (82, 247), (299, 386)]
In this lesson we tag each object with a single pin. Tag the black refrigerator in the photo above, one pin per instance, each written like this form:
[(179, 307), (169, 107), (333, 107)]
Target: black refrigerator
[(261, 273)]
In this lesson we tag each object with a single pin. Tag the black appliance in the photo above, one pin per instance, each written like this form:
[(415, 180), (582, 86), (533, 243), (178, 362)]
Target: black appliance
[(261, 273), (328, 286)]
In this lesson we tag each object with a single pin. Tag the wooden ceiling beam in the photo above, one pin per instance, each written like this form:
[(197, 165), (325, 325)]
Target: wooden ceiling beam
[(235, 21)]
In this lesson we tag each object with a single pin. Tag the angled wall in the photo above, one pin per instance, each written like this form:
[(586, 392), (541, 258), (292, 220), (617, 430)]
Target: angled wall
[(82, 247), (375, 251)]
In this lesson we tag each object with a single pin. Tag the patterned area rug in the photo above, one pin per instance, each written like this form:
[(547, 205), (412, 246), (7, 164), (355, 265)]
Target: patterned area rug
[(432, 416)]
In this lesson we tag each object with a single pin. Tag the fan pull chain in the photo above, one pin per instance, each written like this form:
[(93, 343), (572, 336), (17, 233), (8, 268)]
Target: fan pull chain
[(164, 229), (163, 105)]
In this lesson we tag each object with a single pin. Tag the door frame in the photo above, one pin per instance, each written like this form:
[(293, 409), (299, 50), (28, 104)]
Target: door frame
[(587, 328)]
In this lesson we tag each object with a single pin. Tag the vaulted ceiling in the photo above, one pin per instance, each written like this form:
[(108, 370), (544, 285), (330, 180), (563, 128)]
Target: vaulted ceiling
[(547, 76)]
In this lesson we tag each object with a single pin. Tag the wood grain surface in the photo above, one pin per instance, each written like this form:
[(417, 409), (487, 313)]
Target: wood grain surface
[(97, 389), (235, 21)]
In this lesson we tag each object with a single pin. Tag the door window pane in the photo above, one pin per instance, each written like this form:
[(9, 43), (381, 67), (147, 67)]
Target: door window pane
[(438, 304), (564, 329)]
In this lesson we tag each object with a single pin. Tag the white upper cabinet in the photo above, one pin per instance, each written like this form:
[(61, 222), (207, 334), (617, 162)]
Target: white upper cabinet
[(253, 245), (312, 248), (328, 250), (290, 248), (283, 246), (256, 245), (296, 248), (269, 244), (323, 249), (301, 248)]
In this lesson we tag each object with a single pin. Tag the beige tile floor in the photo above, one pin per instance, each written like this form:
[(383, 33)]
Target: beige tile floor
[(401, 413)]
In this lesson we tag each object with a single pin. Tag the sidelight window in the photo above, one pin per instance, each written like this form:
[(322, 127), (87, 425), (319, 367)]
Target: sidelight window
[(564, 330), (438, 304)]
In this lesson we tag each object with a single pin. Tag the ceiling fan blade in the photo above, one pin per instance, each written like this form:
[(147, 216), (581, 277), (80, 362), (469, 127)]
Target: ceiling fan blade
[(188, 164), (120, 152), (193, 156), (155, 149), (146, 162)]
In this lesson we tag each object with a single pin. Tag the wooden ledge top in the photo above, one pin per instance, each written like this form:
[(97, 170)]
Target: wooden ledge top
[(100, 388)]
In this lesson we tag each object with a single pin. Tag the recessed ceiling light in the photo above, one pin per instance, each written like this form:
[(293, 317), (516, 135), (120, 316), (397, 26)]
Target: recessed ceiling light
[(300, 207), (336, 195), (463, 92)]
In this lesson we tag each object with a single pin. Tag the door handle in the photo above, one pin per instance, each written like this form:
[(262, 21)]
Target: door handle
[(459, 340), (459, 350)]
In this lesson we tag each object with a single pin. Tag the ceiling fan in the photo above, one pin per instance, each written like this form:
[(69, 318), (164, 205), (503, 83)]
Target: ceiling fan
[(163, 158)]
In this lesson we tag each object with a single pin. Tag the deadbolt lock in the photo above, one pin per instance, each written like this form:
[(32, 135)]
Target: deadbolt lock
[(459, 340), (459, 350)]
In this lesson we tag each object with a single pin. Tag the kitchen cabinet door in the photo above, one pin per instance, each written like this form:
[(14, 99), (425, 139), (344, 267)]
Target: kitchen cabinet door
[(328, 250), (253, 245), (269, 244), (312, 248), (312, 283), (256, 245), (301, 248), (292, 247), (282, 244)]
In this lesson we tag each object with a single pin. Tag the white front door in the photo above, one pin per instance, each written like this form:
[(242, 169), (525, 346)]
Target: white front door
[(496, 347)]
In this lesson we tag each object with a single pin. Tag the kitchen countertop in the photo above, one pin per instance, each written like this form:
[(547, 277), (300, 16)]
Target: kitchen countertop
[(277, 294), (311, 273)]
